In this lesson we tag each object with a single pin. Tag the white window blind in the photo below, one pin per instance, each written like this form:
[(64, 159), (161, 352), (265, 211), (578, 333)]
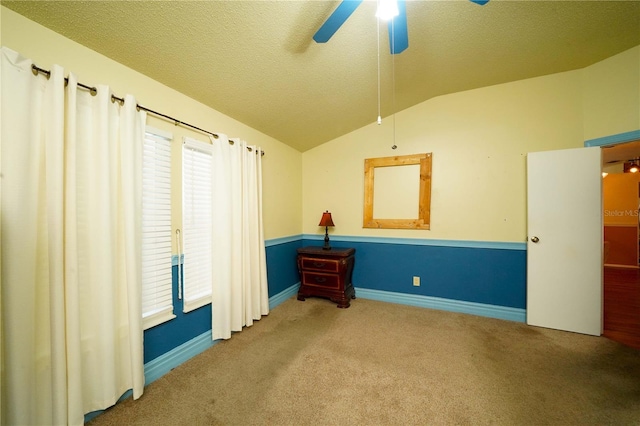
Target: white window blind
[(157, 300), (196, 217)]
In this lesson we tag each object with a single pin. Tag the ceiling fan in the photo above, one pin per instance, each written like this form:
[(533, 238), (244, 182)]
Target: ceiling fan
[(398, 36)]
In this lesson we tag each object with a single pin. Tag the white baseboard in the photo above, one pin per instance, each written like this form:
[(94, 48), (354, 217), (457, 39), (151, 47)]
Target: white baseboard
[(481, 309), (166, 362), (160, 366), (283, 295)]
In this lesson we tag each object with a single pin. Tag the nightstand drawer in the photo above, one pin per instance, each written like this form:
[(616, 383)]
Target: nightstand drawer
[(322, 280), (326, 273), (328, 265)]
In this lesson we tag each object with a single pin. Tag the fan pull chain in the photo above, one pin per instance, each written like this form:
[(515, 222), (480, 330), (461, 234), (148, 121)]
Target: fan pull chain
[(393, 78), (378, 38)]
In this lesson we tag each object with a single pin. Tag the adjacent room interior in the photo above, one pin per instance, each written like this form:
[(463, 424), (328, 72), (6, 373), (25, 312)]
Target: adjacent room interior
[(621, 197)]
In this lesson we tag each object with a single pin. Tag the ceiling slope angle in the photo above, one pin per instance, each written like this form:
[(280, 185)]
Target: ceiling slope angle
[(257, 61)]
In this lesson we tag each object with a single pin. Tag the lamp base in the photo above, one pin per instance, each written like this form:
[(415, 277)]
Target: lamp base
[(326, 239)]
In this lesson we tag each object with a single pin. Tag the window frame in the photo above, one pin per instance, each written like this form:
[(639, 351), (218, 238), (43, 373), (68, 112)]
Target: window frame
[(157, 259), (197, 237)]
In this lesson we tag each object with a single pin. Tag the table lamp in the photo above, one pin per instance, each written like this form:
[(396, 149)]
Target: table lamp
[(326, 221)]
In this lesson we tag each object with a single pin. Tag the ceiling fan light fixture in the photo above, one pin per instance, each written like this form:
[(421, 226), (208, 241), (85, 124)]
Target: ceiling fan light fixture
[(387, 9), (631, 166)]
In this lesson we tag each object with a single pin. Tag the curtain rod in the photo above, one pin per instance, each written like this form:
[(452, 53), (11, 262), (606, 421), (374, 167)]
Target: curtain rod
[(35, 70)]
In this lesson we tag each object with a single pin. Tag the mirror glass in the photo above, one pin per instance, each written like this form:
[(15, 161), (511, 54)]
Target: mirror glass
[(396, 192)]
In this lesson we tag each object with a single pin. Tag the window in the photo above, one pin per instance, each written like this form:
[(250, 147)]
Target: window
[(196, 223), (157, 300)]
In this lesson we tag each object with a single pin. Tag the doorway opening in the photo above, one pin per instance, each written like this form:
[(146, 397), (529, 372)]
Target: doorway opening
[(621, 280)]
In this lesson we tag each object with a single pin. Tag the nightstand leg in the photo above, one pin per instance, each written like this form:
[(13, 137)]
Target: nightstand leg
[(342, 303)]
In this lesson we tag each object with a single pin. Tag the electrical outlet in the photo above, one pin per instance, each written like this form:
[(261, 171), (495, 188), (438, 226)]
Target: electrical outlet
[(416, 281)]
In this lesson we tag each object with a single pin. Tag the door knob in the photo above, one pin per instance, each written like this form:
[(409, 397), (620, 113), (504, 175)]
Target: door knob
[(535, 239)]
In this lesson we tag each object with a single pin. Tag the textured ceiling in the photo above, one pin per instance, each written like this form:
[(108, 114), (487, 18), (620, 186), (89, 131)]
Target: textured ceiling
[(256, 61)]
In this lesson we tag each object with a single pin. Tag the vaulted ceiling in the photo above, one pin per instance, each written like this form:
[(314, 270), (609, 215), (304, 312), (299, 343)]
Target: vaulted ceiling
[(256, 61)]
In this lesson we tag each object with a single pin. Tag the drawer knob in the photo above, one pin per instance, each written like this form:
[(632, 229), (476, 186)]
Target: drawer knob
[(318, 264), (320, 279)]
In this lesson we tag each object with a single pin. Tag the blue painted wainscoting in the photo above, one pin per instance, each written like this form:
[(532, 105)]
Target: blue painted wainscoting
[(282, 275), (481, 278), (162, 338)]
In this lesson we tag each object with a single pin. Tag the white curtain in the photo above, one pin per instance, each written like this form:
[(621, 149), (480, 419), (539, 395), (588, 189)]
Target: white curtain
[(239, 293), (71, 266)]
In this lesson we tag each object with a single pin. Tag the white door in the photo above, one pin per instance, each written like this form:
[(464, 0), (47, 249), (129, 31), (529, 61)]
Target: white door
[(564, 245)]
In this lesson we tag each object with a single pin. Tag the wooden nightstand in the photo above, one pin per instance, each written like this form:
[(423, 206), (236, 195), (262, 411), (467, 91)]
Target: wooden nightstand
[(326, 273)]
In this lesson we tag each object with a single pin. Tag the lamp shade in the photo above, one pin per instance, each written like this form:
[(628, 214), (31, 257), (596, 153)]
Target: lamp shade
[(326, 219)]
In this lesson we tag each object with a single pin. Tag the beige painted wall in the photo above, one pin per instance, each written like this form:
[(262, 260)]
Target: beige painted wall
[(282, 165), (611, 93), (479, 140)]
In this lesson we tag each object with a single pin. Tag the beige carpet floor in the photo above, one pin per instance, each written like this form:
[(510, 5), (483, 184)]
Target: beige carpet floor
[(375, 363)]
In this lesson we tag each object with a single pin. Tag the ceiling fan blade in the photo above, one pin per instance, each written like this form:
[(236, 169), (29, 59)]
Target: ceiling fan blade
[(398, 35), (337, 18), (480, 2)]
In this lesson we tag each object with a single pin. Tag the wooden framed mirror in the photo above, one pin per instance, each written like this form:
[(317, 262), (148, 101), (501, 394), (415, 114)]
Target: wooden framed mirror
[(396, 189)]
